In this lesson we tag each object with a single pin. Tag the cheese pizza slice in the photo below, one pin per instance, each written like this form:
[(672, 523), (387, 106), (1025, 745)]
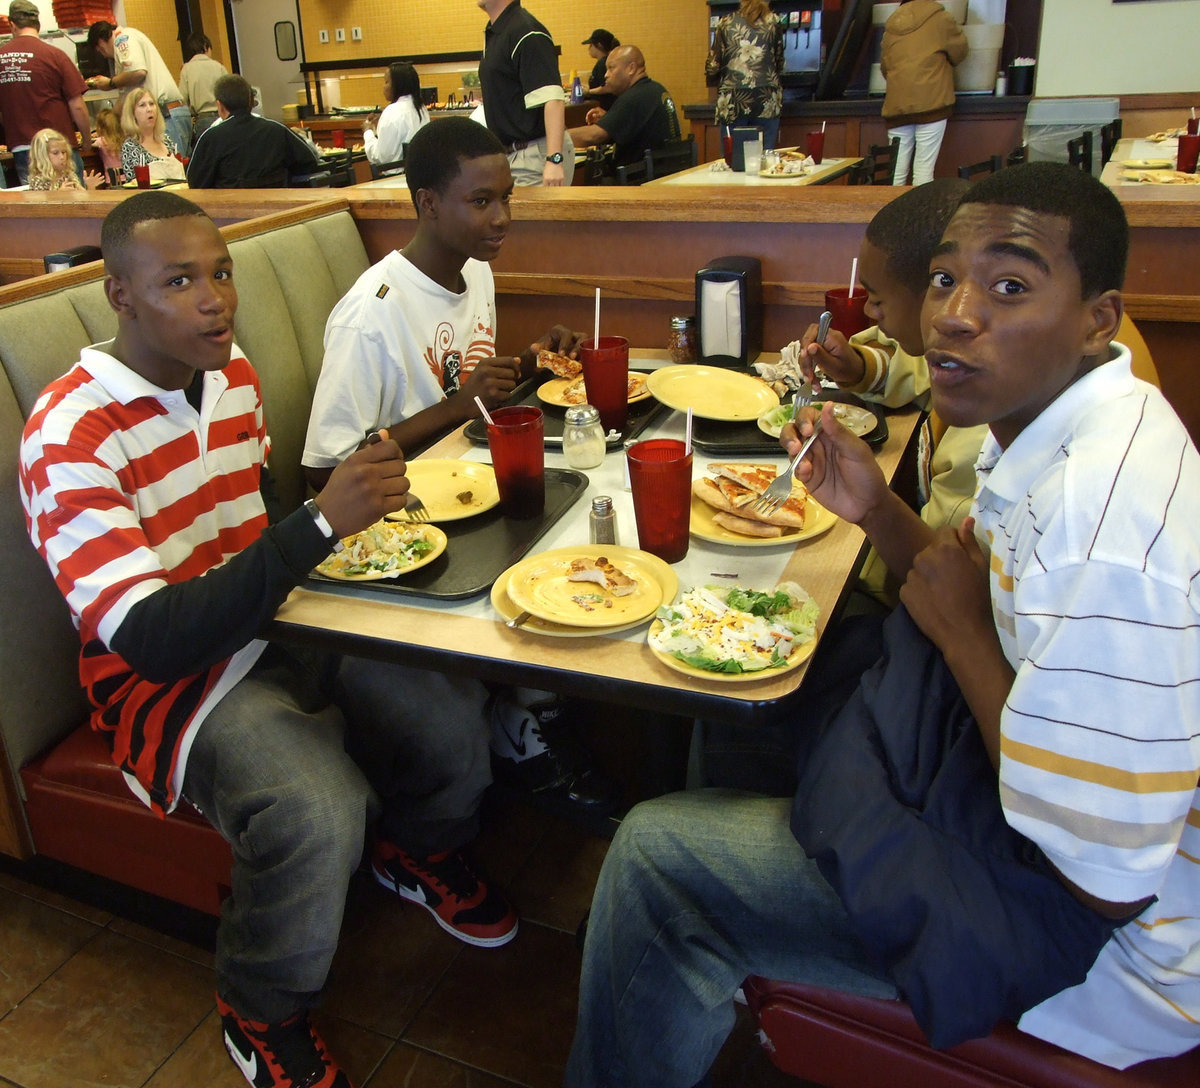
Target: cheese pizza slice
[(742, 483), (561, 366)]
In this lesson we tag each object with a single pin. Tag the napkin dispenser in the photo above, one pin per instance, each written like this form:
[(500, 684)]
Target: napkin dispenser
[(729, 311)]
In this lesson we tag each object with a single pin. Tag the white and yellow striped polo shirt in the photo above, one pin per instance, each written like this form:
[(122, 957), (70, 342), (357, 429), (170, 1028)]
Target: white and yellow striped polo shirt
[(1092, 517)]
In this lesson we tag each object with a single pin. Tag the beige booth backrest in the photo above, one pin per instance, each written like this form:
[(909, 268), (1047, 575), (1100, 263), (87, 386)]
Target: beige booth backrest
[(288, 277)]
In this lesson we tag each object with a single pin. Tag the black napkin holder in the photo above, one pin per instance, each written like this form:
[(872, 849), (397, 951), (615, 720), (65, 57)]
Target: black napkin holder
[(746, 272)]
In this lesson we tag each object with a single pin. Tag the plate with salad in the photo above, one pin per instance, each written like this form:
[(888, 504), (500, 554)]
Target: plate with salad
[(386, 549), (733, 634)]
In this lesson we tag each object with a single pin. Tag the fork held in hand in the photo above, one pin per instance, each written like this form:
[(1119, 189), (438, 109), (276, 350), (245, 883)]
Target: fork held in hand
[(780, 488), (415, 509)]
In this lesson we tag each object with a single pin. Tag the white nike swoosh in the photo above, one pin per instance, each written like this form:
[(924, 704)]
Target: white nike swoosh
[(518, 743), (249, 1068)]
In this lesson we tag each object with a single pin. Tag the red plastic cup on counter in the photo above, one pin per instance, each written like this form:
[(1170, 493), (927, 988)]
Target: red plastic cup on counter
[(516, 439), (727, 146), (1189, 149), (660, 476), (606, 375), (849, 311), (815, 145), (339, 137), (142, 175), (1193, 125)]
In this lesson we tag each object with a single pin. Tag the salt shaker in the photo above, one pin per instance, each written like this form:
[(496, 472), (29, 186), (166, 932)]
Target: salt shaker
[(681, 342), (583, 437), (602, 521)]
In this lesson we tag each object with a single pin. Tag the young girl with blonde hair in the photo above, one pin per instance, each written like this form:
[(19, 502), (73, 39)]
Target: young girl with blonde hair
[(109, 138), (50, 165)]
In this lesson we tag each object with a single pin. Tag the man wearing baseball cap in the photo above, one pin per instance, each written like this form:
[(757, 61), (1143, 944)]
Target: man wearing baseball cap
[(139, 64), (39, 88)]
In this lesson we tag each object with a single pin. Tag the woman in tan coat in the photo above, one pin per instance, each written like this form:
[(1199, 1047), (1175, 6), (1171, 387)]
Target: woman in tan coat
[(921, 45)]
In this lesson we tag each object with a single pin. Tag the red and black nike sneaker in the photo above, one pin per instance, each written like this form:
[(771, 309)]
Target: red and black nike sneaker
[(286, 1055)]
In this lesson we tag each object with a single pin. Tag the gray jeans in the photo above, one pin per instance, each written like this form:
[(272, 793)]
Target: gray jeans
[(270, 769)]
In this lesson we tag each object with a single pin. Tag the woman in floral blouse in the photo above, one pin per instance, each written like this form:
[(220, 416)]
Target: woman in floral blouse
[(146, 140), (744, 63)]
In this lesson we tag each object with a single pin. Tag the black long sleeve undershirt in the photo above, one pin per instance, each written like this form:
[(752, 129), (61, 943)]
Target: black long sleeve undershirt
[(182, 629)]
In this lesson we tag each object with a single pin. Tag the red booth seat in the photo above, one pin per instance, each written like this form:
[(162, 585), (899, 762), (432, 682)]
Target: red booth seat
[(81, 811), (843, 1041)]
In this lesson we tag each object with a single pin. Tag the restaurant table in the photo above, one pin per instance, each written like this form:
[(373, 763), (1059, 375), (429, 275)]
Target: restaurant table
[(467, 637), (1113, 174), (704, 174)]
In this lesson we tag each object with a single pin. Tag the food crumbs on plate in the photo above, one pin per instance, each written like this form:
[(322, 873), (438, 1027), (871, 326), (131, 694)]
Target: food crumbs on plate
[(719, 574), (465, 497)]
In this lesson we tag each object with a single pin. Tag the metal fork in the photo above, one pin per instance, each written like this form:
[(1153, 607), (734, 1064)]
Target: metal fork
[(415, 509), (780, 489)]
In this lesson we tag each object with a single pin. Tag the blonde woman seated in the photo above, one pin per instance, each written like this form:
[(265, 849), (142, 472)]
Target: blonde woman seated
[(51, 166), (146, 141)]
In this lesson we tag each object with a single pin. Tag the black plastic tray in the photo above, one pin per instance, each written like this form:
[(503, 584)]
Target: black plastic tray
[(479, 548), (712, 436), (640, 414)]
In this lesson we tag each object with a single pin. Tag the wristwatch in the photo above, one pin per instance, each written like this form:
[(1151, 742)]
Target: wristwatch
[(335, 541), (556, 158)]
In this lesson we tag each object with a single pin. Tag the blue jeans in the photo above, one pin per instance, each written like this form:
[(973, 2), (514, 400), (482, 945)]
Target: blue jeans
[(269, 769), (178, 122), (698, 891)]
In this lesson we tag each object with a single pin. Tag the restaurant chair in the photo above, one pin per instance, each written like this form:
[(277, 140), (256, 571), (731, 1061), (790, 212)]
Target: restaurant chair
[(862, 172), (843, 1041), (387, 169), (987, 166), (1109, 135), (1017, 156), (884, 157), (673, 156), (1079, 151), (598, 168), (672, 117)]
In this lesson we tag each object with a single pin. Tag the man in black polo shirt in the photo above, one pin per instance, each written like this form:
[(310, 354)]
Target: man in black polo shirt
[(243, 151), (641, 116), (523, 100)]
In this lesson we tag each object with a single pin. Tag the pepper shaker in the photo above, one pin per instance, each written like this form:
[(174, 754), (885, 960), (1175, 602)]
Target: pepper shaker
[(602, 521)]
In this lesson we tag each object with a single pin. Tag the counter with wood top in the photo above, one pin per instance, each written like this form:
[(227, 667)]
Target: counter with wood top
[(642, 246)]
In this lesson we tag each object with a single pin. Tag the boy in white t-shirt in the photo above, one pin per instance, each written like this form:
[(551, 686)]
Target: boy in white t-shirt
[(410, 347)]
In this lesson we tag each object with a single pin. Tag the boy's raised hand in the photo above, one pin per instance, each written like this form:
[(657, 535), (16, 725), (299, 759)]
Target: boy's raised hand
[(365, 486), (836, 357), (491, 381), (840, 470)]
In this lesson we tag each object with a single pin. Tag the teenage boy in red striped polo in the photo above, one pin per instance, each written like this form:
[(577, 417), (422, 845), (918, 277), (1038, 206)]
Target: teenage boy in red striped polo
[(143, 473)]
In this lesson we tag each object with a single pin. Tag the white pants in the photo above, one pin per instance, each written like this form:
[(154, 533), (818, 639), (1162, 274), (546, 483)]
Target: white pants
[(927, 140), (528, 163)]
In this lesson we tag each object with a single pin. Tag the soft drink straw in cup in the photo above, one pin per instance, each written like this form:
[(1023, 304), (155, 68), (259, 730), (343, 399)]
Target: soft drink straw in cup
[(853, 275), (596, 327), (484, 412), (687, 444)]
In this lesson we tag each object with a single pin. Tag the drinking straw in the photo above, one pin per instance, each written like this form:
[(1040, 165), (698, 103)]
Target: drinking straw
[(687, 442), (853, 275), (596, 331), (822, 126), (482, 409)]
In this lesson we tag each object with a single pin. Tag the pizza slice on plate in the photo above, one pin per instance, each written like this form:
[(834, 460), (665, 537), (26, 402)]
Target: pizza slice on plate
[(733, 490)]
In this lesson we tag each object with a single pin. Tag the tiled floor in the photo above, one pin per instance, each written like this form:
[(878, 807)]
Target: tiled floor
[(90, 997)]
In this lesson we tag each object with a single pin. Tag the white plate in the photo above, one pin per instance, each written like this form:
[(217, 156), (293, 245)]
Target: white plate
[(430, 532), (859, 421)]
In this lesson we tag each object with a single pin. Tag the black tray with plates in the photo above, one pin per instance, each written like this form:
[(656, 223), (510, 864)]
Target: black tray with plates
[(478, 548), (640, 414), (747, 439)]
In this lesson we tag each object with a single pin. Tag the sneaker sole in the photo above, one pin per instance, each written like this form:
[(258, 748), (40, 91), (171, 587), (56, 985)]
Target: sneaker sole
[(404, 893)]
